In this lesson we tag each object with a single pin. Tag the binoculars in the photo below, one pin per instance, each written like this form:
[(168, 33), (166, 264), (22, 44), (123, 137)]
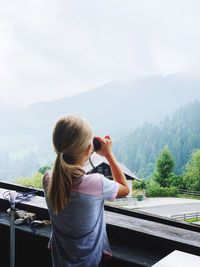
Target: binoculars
[(96, 144)]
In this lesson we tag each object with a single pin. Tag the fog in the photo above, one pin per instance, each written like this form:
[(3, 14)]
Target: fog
[(53, 49)]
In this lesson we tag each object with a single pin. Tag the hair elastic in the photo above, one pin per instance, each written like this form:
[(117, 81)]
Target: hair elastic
[(60, 154)]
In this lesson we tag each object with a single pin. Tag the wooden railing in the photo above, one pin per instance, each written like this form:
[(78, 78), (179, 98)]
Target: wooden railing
[(154, 236), (186, 216), (189, 193)]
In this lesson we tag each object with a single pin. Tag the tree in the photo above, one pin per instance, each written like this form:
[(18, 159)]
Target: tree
[(192, 173), (176, 181), (35, 180), (164, 167), (139, 185), (42, 170)]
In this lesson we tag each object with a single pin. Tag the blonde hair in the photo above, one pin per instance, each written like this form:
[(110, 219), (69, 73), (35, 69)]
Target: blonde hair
[(71, 138)]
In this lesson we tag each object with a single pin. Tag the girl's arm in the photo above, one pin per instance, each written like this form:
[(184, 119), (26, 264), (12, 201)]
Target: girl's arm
[(118, 175)]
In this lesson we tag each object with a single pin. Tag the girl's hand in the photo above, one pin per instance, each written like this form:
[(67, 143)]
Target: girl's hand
[(117, 173), (106, 146)]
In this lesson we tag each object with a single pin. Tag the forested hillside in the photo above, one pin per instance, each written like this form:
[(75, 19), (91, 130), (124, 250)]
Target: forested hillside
[(181, 132), (114, 108)]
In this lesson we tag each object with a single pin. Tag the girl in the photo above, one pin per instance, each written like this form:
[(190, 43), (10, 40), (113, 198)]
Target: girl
[(76, 200)]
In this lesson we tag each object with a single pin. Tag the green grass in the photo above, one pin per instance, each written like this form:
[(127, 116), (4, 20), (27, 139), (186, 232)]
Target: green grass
[(193, 220), (187, 197), (35, 180)]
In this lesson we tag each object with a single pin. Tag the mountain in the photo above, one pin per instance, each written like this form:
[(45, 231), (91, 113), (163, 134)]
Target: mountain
[(115, 108), (181, 133)]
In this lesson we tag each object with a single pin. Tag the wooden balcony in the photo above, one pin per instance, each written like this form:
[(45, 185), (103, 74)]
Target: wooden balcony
[(136, 238)]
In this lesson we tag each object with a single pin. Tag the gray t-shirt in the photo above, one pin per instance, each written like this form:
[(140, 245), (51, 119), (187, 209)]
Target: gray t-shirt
[(79, 232)]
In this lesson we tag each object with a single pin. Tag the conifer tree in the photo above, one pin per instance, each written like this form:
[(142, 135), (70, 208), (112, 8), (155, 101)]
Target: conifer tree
[(164, 167), (192, 173)]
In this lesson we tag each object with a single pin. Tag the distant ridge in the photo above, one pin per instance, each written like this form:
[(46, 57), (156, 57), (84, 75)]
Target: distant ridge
[(117, 107), (114, 108)]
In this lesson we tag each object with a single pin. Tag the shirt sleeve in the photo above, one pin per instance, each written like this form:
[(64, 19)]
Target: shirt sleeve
[(110, 189), (45, 180)]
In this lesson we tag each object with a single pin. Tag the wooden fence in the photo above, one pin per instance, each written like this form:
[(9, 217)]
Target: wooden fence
[(186, 216), (189, 193)]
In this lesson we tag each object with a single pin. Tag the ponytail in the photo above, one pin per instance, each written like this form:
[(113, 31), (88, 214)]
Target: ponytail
[(69, 153), (60, 185)]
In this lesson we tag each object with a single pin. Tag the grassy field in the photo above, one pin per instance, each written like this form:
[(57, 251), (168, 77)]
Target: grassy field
[(193, 220), (188, 197)]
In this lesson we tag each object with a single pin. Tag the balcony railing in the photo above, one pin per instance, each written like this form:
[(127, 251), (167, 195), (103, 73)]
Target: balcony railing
[(136, 238)]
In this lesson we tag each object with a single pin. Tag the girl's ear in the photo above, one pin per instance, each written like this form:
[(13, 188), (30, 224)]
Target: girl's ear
[(89, 149)]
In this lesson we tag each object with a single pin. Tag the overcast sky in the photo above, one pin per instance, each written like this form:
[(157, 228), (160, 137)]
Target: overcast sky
[(51, 49)]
